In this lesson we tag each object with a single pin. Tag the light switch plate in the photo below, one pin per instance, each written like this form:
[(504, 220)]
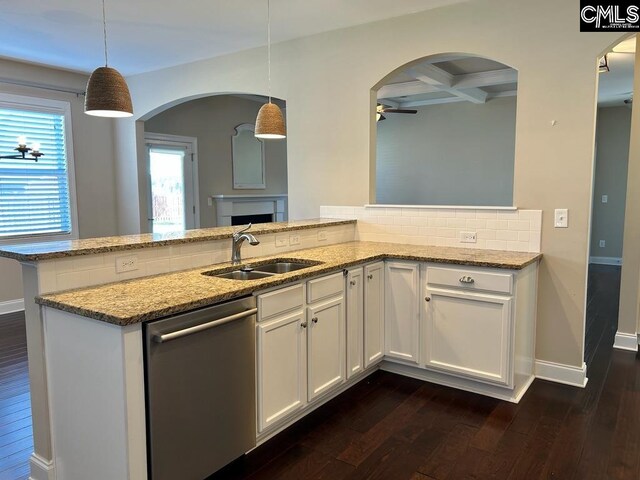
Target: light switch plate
[(282, 241), (561, 218), (605, 198), (603, 243), (127, 263), (294, 239)]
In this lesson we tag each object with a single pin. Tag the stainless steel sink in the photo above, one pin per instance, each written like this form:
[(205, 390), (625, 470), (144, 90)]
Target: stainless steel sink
[(282, 267), (241, 275)]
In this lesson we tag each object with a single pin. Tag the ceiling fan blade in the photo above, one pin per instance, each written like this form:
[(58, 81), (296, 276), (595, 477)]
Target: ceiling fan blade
[(398, 110)]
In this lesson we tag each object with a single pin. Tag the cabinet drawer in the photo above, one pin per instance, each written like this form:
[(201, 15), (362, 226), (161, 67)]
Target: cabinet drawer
[(470, 279), (280, 301), (325, 287)]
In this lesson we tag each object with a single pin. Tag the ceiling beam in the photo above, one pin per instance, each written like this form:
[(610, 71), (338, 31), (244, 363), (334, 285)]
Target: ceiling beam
[(439, 101), (444, 81)]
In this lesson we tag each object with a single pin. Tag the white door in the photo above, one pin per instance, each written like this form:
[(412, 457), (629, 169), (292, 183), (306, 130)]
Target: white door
[(326, 357), (172, 184), (281, 362), (373, 313), (355, 321), (469, 334), (402, 310)]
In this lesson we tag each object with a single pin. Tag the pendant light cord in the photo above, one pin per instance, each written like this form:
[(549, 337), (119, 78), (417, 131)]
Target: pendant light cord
[(104, 29), (268, 45)]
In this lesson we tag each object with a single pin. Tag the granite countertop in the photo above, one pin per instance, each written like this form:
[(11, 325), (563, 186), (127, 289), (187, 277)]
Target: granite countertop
[(31, 252), (150, 298)]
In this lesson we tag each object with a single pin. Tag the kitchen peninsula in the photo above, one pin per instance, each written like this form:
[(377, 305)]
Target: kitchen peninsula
[(93, 335)]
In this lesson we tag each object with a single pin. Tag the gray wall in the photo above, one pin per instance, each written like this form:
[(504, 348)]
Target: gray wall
[(612, 159), (212, 120), (449, 154), (93, 155)]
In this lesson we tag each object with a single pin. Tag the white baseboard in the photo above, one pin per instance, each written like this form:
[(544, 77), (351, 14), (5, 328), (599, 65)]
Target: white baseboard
[(560, 373), (605, 260), (41, 469), (11, 306), (626, 341)]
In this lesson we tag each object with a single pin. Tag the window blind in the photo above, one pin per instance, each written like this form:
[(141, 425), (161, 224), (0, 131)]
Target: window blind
[(34, 196)]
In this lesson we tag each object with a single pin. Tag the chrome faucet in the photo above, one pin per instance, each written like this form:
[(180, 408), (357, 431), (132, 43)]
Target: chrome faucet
[(236, 243)]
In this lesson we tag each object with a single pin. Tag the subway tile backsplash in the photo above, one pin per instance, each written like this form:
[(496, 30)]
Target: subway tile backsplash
[(496, 229)]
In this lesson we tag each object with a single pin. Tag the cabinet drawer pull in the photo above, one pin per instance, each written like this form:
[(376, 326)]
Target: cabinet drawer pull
[(427, 299), (467, 279), (303, 324), (370, 276), (314, 319), (352, 283)]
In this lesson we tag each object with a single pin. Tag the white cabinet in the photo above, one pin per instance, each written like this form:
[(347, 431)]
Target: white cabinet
[(326, 346), (469, 333), (402, 310), (374, 293), (354, 304), (281, 358), (301, 351)]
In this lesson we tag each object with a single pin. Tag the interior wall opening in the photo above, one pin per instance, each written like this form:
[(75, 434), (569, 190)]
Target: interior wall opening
[(445, 132)]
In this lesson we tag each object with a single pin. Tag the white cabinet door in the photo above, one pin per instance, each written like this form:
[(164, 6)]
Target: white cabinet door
[(373, 313), (469, 334), (402, 310), (326, 355), (354, 298), (281, 362)]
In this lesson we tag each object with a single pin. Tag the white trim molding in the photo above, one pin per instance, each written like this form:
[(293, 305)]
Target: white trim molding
[(606, 260), (11, 306), (626, 341), (561, 373), (41, 469)]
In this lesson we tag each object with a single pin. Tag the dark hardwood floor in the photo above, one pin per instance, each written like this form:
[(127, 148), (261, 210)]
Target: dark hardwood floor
[(16, 441), (389, 427)]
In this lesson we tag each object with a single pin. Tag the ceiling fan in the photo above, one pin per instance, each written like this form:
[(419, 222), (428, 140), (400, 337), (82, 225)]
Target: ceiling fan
[(380, 109)]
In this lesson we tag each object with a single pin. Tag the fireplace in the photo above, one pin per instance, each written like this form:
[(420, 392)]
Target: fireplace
[(245, 219), (242, 209)]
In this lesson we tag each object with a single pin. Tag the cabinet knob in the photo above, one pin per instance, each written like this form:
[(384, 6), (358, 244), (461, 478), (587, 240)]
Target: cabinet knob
[(370, 276), (427, 299), (352, 283), (314, 319), (467, 279), (303, 324)]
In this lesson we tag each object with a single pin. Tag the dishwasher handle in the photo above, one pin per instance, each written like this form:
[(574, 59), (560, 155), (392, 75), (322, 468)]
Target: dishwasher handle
[(165, 337)]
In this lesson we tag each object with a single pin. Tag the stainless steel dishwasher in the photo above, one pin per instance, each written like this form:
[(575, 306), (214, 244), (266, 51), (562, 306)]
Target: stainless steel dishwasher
[(200, 389)]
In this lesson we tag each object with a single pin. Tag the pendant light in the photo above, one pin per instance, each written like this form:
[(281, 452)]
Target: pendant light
[(107, 92), (270, 122)]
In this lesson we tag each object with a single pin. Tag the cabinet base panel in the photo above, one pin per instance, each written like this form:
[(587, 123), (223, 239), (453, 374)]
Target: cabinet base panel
[(510, 395)]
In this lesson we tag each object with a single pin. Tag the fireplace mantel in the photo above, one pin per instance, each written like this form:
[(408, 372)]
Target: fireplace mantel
[(228, 206)]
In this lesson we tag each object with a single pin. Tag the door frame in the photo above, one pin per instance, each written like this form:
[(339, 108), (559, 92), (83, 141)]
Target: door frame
[(175, 141)]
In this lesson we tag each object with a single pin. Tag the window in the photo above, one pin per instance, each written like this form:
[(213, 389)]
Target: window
[(36, 198)]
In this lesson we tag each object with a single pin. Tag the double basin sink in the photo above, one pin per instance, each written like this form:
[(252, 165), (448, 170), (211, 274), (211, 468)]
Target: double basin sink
[(262, 271)]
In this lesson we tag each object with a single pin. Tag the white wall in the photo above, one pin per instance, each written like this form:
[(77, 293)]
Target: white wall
[(612, 160), (327, 80), (93, 155), (448, 154), (212, 120)]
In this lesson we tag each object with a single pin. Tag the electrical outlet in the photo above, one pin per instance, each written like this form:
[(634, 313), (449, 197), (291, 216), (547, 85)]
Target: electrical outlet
[(605, 198), (294, 239), (468, 237), (602, 243), (561, 218), (322, 236), (126, 264), (281, 241)]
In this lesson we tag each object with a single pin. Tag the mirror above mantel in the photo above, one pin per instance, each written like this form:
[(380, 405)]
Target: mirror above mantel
[(247, 153)]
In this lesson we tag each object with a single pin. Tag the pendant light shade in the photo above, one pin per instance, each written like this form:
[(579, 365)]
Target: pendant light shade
[(270, 122), (107, 94)]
